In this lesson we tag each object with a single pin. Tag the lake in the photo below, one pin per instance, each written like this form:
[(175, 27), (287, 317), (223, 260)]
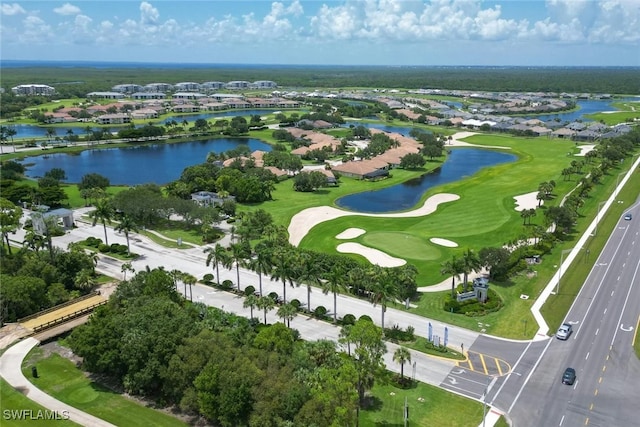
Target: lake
[(140, 164), (461, 163)]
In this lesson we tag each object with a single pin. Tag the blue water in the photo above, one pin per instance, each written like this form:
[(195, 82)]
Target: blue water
[(158, 163), (461, 163)]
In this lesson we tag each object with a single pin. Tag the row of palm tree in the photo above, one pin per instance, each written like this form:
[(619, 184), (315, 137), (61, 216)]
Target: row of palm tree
[(293, 267)]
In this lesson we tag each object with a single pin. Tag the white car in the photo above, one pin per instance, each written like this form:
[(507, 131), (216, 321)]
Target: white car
[(564, 331)]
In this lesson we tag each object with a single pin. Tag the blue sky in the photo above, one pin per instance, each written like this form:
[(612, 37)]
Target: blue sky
[(358, 32)]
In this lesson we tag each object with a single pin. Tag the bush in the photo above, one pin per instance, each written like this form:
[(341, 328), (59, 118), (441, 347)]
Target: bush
[(296, 303), (320, 312), (249, 290), (349, 319), (365, 317), (226, 284), (103, 248), (207, 278), (474, 308), (396, 334), (274, 296), (94, 242)]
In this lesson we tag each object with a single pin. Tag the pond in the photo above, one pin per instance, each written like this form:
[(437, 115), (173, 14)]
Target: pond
[(140, 164), (461, 163)]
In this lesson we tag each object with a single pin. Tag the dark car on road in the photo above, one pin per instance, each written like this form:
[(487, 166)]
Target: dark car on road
[(569, 376), (628, 217)]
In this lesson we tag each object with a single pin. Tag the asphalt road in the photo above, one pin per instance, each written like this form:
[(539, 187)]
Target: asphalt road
[(604, 317)]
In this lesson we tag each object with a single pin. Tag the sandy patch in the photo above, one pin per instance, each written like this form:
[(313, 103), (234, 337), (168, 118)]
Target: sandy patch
[(443, 242), (374, 256), (527, 201), (350, 233), (584, 149), (456, 141), (306, 219)]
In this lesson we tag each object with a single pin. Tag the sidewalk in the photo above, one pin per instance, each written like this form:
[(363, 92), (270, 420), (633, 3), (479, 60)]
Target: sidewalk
[(10, 370)]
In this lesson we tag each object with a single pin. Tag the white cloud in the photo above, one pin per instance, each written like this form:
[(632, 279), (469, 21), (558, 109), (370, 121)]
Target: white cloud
[(35, 30), (67, 9), (11, 9), (149, 15)]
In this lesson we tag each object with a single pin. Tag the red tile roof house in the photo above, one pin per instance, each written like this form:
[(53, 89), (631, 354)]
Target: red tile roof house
[(59, 118), (363, 169)]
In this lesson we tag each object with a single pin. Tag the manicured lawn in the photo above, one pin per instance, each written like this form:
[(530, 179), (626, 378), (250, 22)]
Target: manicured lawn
[(60, 378), (428, 406), (13, 400)]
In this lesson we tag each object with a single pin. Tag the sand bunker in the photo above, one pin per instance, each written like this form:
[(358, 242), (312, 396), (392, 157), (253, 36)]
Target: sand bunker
[(584, 149), (455, 141), (527, 201), (305, 220), (443, 242), (374, 256), (350, 233)]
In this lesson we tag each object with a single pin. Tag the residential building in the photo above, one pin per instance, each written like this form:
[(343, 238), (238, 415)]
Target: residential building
[(105, 95), (127, 88), (33, 89)]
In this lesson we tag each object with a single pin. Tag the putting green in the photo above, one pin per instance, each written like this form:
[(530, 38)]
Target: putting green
[(402, 245)]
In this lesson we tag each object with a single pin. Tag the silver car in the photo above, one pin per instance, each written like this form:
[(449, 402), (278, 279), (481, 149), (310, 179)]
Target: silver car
[(564, 331)]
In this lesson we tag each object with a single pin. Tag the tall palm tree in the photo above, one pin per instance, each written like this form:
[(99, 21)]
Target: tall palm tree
[(309, 274), (282, 269), (345, 337), (402, 356), (335, 282), (265, 304), (454, 268), (287, 312), (470, 263), (261, 262), (383, 288), (189, 279), (216, 255), (104, 213), (250, 301), (239, 253), (126, 226)]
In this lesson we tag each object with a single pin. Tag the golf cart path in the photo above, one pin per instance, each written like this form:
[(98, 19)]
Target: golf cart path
[(10, 370)]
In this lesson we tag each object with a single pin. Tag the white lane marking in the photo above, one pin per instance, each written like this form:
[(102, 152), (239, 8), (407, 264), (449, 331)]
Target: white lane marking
[(587, 355)]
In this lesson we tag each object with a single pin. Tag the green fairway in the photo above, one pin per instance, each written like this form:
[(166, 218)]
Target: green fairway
[(402, 245), (428, 406), (16, 404), (61, 379)]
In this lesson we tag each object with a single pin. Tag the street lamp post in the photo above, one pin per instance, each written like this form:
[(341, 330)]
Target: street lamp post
[(484, 402), (560, 269)]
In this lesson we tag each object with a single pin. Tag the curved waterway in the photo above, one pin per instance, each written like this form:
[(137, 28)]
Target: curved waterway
[(461, 163)]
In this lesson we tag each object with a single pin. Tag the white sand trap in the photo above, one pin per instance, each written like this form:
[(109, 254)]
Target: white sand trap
[(527, 201), (350, 233), (456, 141), (584, 149), (306, 219), (443, 242), (374, 256)]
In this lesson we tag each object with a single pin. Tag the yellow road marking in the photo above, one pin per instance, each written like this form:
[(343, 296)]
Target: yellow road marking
[(591, 407), (604, 368), (600, 380), (484, 365), (498, 365), (596, 392), (586, 421)]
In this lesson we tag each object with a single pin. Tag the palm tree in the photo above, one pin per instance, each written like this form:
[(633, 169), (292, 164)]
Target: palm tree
[(126, 226), (344, 337), (265, 303), (470, 263), (287, 312), (282, 269), (190, 280), (402, 356), (176, 275), (335, 282), (454, 268), (383, 288), (126, 267), (84, 280), (524, 214), (217, 256), (261, 262), (11, 131), (250, 301), (308, 274), (239, 253), (104, 213)]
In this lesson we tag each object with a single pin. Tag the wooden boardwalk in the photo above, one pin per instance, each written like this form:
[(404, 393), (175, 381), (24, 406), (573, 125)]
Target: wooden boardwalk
[(64, 314)]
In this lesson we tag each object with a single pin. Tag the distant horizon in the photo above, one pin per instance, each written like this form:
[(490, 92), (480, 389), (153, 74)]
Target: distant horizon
[(11, 63)]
